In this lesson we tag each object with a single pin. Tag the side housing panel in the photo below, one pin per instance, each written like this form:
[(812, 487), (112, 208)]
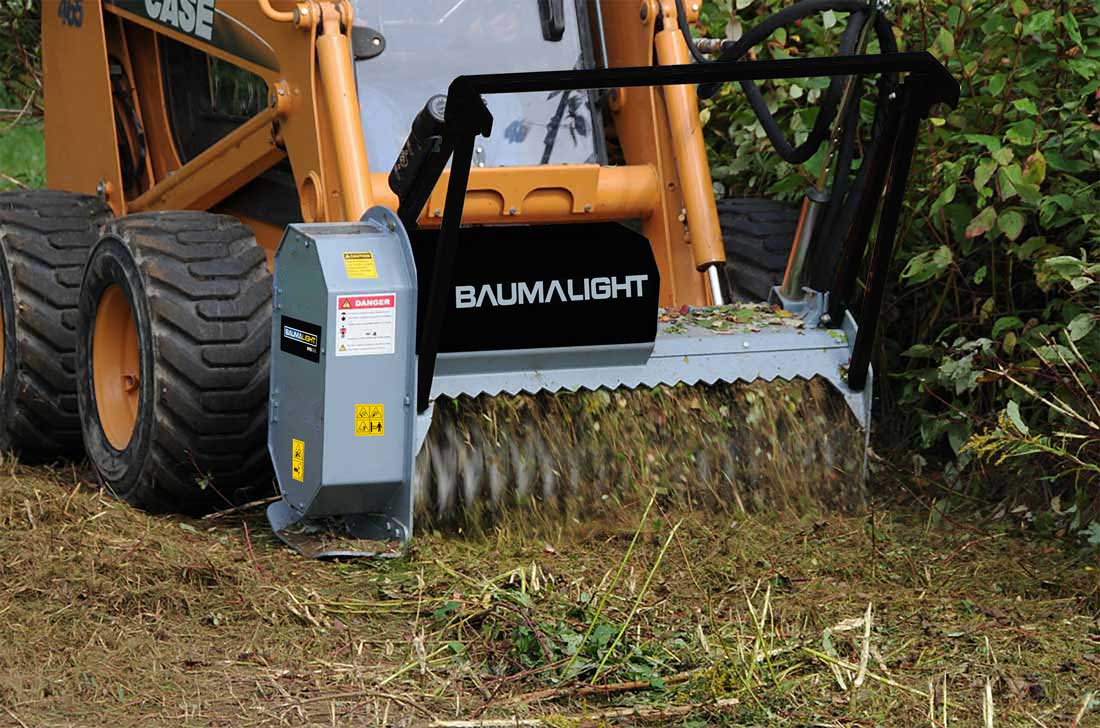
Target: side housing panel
[(81, 147)]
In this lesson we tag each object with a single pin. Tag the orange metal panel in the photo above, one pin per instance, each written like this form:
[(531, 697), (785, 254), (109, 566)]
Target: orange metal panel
[(81, 153), (575, 193)]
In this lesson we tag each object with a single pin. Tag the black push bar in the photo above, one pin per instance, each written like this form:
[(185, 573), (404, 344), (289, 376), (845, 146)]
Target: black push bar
[(928, 83)]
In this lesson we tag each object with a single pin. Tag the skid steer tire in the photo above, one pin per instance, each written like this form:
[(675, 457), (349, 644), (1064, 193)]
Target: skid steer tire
[(45, 237), (758, 235), (173, 357)]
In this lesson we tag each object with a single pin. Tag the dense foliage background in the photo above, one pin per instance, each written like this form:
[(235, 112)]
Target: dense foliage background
[(991, 341), (990, 336)]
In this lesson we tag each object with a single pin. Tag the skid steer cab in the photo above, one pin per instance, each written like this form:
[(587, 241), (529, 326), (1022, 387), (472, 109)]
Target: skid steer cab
[(401, 259)]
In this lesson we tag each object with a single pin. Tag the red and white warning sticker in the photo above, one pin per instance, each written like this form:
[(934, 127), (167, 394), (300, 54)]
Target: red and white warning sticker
[(366, 324)]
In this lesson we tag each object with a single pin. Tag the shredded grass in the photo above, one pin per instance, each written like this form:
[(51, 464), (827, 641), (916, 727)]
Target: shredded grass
[(113, 617)]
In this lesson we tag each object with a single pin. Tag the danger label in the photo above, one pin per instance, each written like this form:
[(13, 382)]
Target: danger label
[(370, 420), (298, 460), (366, 324), (360, 265)]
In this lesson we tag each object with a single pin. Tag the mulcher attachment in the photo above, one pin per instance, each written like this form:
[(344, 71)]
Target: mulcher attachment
[(534, 423)]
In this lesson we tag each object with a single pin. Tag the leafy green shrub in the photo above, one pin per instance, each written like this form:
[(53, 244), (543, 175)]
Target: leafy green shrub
[(19, 52), (997, 268)]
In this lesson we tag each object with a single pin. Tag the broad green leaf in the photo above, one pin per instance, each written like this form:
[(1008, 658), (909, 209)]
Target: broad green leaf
[(988, 141), (919, 351), (984, 172), (1027, 106), (1080, 326), (980, 274), (1013, 411), (982, 223), (1055, 353), (1066, 265), (1020, 8), (1069, 22), (946, 197), (1029, 247), (1022, 132), (946, 41), (1003, 156), (1006, 323), (996, 84), (927, 265), (1040, 22), (1035, 169), (1011, 223), (942, 258), (1060, 163)]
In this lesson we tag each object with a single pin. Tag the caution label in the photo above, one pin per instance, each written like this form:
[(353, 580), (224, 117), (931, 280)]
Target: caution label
[(360, 265), (298, 460), (366, 324), (370, 420)]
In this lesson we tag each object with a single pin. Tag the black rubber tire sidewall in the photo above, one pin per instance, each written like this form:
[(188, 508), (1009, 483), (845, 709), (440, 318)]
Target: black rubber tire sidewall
[(10, 353), (111, 263)]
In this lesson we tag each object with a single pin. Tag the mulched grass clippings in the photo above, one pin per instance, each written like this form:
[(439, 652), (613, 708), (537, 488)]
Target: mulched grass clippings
[(790, 617)]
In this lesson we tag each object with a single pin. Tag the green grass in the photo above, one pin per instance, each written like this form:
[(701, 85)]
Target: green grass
[(22, 155)]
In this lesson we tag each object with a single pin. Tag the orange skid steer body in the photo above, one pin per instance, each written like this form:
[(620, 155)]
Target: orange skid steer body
[(284, 232)]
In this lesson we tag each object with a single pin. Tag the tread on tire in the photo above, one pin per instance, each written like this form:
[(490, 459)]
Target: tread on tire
[(758, 234), (200, 295), (45, 236)]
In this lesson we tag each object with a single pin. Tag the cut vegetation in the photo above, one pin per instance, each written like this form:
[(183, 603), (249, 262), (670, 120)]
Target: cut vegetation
[(114, 617)]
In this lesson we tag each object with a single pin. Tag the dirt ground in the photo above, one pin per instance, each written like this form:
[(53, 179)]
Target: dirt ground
[(112, 617)]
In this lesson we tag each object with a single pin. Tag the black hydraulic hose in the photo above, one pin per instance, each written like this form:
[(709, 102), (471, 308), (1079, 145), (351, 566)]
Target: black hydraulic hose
[(829, 102), (682, 18), (759, 33), (849, 42), (830, 99)]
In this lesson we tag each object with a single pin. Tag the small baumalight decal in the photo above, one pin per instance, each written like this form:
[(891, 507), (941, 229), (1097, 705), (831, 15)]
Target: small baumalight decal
[(300, 338)]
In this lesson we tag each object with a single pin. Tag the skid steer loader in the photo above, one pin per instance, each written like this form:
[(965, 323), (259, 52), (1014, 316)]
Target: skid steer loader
[(448, 250)]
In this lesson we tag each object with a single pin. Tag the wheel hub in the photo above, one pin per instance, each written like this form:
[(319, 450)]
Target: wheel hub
[(116, 366)]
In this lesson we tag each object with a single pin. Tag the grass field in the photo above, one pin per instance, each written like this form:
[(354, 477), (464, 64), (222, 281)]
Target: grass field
[(22, 154), (113, 617)]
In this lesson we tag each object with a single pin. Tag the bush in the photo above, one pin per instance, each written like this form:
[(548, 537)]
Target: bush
[(990, 332), (20, 80)]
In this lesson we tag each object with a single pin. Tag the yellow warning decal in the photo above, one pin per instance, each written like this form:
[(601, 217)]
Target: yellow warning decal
[(360, 265), (370, 420), (297, 460)]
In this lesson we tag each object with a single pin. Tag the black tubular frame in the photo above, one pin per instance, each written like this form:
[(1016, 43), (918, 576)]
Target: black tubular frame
[(927, 83)]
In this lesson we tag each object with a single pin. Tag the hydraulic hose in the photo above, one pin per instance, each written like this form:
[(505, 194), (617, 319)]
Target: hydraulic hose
[(735, 50)]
